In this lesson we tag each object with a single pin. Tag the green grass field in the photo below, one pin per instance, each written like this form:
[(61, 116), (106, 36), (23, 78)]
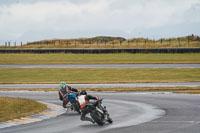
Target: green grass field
[(95, 75), (15, 108), (100, 58)]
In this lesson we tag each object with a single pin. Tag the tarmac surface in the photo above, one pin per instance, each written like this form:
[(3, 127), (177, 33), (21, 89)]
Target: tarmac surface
[(142, 112), (132, 113), (191, 84)]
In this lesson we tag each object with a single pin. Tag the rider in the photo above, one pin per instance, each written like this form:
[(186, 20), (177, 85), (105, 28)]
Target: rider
[(64, 89), (83, 101)]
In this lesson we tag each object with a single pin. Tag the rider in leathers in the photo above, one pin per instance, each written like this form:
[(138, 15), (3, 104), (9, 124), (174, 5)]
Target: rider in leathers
[(83, 100), (64, 89)]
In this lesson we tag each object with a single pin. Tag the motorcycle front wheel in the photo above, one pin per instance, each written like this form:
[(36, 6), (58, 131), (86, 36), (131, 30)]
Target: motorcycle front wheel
[(110, 120), (97, 117)]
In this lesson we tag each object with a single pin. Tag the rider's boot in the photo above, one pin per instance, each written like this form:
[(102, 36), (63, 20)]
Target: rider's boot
[(64, 103)]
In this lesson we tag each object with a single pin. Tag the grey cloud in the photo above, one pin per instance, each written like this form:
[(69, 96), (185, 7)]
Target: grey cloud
[(9, 2), (88, 18)]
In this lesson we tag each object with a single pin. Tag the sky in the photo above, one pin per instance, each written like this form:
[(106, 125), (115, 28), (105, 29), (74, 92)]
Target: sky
[(32, 20)]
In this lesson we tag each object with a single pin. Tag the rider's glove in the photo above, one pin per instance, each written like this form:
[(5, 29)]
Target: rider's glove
[(97, 99)]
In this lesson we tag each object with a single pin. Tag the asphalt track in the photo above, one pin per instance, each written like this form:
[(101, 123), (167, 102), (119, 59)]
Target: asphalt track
[(131, 112), (105, 66)]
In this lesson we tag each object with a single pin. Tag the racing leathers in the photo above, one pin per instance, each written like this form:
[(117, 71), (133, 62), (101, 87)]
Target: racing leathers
[(83, 101), (63, 94)]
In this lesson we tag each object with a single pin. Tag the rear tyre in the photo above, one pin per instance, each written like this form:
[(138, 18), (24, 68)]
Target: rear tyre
[(76, 106)]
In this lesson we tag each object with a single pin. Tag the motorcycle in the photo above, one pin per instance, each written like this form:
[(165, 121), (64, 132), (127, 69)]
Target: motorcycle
[(73, 103), (99, 113)]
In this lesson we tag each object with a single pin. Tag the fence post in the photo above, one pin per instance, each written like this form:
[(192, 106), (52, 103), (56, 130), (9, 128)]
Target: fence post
[(161, 40), (21, 44), (178, 41), (128, 43), (91, 43), (188, 40)]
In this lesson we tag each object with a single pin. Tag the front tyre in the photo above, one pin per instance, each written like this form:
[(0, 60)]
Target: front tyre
[(97, 117), (110, 120)]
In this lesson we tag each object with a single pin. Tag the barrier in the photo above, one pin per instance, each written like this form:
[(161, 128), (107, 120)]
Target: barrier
[(102, 51)]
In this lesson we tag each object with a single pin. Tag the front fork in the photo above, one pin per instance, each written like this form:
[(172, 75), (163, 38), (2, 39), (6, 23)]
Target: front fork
[(107, 116), (104, 112)]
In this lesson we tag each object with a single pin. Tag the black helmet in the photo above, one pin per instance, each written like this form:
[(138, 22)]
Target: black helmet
[(83, 92)]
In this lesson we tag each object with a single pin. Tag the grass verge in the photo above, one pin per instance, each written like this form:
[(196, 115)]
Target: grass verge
[(123, 58), (97, 75), (191, 90), (15, 108)]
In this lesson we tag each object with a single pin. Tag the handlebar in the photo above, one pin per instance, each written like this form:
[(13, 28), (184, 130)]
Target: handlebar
[(97, 101)]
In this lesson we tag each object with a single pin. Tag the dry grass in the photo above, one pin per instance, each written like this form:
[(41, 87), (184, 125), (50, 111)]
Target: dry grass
[(124, 45), (191, 90), (29, 89), (190, 41), (15, 108)]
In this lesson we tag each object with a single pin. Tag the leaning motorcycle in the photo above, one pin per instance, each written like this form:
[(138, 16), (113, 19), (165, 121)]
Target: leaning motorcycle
[(99, 113), (73, 103)]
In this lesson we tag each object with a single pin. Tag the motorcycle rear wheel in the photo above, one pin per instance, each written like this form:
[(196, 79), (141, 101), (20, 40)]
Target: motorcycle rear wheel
[(76, 106)]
